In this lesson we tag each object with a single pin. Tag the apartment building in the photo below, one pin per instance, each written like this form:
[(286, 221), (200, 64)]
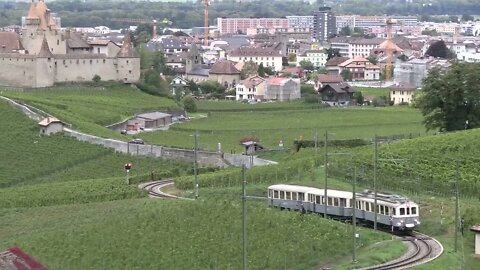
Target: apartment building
[(241, 25)]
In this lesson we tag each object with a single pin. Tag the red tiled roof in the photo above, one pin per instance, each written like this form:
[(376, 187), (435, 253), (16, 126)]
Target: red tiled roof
[(335, 61), (10, 42), (47, 121), (224, 67), (329, 78), (19, 260), (127, 51), (276, 80)]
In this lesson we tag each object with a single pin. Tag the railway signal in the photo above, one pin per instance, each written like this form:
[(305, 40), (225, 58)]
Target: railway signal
[(127, 167)]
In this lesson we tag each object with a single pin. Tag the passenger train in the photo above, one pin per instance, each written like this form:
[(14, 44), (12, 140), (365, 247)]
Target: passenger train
[(394, 211)]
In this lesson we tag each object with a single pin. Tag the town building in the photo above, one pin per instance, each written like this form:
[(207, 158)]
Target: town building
[(251, 89), (360, 69), (372, 22), (240, 25), (50, 125), (266, 56), (402, 94), (317, 57), (48, 55), (337, 94), (282, 89), (324, 24), (352, 47), (413, 71), (300, 21)]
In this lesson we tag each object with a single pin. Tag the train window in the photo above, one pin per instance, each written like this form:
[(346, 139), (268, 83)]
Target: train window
[(330, 201), (275, 194), (351, 203), (414, 210), (358, 205), (317, 199), (294, 196), (387, 211), (282, 195), (408, 211), (381, 209), (343, 202), (402, 211), (335, 202), (323, 199), (367, 206), (394, 211), (301, 196), (289, 196), (270, 193)]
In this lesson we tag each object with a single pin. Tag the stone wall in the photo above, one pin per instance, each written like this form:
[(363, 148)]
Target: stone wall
[(204, 158), (69, 69), (18, 71)]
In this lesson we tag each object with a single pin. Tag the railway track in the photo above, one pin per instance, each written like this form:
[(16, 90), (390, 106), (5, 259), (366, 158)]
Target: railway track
[(154, 189), (422, 249)]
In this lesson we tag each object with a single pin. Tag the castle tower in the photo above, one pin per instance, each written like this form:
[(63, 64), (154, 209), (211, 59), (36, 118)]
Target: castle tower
[(128, 62), (45, 66), (40, 23), (193, 59)]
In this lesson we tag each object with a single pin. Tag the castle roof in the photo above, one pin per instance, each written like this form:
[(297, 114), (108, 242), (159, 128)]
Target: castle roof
[(224, 67), (45, 50), (10, 42), (40, 11), (76, 41), (127, 51)]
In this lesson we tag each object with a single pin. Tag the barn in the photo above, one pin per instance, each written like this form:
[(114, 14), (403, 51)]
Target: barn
[(50, 125)]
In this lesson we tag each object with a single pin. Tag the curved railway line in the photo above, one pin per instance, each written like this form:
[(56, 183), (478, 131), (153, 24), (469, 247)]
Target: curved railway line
[(421, 248)]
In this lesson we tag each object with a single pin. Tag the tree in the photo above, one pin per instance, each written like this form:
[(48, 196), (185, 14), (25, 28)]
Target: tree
[(249, 69), (346, 74), (292, 57), (432, 32), (439, 49), (189, 104), (466, 18), (96, 78), (451, 98), (331, 53), (345, 31), (305, 64), (261, 70), (358, 96), (372, 59)]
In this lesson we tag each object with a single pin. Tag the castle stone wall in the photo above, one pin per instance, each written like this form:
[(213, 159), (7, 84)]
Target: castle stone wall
[(18, 71), (84, 69)]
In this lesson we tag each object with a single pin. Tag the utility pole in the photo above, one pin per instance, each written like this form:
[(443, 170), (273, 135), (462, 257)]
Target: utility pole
[(375, 161), (457, 176), (316, 147), (244, 218), (354, 216), (325, 158), (195, 164)]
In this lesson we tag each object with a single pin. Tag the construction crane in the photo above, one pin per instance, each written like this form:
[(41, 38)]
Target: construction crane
[(206, 3), (153, 22)]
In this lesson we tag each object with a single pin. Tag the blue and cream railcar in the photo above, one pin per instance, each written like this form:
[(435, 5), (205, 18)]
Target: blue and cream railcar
[(392, 210), (289, 196)]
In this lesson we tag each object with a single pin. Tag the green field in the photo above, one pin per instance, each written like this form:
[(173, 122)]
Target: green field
[(374, 91), (288, 125)]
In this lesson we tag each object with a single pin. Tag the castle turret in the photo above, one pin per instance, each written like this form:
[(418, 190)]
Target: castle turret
[(45, 66), (193, 59), (128, 62)]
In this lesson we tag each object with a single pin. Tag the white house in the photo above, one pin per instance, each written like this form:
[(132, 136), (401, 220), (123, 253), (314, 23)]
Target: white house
[(317, 57), (402, 94), (265, 56), (253, 88)]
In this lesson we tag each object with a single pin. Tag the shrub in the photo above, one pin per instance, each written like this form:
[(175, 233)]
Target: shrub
[(189, 104), (96, 78)]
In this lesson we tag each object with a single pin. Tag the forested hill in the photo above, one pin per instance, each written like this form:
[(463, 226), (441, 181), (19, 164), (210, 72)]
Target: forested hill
[(189, 14)]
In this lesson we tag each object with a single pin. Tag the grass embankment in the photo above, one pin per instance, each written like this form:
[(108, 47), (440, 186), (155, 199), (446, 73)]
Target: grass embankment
[(374, 91), (28, 158), (91, 109)]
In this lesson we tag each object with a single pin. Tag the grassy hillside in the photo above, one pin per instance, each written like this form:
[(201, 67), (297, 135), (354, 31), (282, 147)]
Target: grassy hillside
[(90, 109), (28, 158), (426, 163)]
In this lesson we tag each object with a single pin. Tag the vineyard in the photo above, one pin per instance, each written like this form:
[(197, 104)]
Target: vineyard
[(90, 109), (422, 164), (156, 234)]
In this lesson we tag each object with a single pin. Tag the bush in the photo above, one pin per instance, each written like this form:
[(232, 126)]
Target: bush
[(189, 104), (96, 78)]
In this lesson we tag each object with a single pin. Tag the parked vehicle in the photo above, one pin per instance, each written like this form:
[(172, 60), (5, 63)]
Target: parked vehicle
[(136, 141)]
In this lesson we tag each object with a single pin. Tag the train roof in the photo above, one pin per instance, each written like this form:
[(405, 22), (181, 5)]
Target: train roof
[(395, 199), (292, 188), (333, 193)]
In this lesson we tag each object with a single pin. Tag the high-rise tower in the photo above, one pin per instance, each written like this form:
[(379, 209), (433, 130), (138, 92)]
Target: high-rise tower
[(324, 24)]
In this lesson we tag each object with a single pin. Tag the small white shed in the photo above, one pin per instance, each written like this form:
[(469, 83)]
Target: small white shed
[(476, 230), (50, 125)]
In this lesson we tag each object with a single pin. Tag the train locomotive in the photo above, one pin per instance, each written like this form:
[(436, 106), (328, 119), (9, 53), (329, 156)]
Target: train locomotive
[(393, 211)]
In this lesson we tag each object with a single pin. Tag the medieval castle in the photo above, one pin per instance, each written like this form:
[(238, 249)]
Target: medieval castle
[(45, 54)]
